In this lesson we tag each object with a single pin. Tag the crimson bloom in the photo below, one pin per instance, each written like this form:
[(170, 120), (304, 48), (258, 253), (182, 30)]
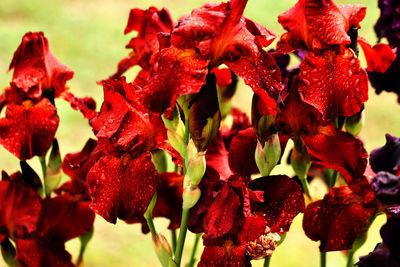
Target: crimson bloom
[(331, 77), (210, 36), (236, 213), (149, 24), (31, 118)]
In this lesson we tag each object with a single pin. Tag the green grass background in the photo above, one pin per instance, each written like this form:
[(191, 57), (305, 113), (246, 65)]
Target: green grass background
[(87, 35)]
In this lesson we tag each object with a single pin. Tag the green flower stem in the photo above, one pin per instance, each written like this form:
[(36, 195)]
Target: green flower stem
[(80, 257), (148, 215), (323, 259), (350, 258), (306, 187), (182, 236), (193, 255), (266, 262), (150, 223), (173, 239), (333, 179), (42, 160)]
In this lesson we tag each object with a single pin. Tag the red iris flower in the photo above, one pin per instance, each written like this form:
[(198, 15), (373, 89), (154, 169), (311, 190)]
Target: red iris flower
[(39, 227), (331, 77), (342, 215), (210, 36), (233, 210), (327, 146), (118, 170), (31, 118), (150, 25)]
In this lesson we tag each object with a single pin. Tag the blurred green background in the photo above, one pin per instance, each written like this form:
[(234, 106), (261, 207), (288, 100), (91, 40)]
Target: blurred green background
[(87, 35)]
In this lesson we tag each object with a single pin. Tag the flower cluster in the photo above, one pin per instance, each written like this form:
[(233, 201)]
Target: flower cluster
[(33, 219), (170, 144)]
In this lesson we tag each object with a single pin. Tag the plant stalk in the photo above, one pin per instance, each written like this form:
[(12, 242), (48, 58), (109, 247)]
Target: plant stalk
[(266, 262), (323, 259), (182, 236), (193, 255)]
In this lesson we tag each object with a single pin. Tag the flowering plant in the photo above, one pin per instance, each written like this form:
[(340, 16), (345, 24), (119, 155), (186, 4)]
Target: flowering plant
[(169, 143)]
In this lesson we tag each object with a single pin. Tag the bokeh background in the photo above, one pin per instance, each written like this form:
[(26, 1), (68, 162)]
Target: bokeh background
[(87, 35)]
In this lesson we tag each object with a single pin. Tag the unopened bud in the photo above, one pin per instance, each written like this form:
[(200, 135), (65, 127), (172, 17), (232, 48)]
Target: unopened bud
[(177, 142), (191, 194), (53, 172), (355, 123), (174, 124), (162, 160), (196, 168), (162, 249), (204, 114), (299, 160), (264, 246), (31, 178), (8, 252), (267, 157)]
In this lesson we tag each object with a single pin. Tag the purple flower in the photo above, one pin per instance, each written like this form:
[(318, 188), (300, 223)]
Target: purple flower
[(387, 157), (388, 24), (386, 187)]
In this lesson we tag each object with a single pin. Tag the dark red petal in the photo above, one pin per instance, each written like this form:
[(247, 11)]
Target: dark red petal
[(169, 198), (283, 200), (335, 84), (262, 75), (252, 229), (295, 116), (122, 187), (36, 69), (200, 27), (174, 72), (354, 13), (217, 159), (63, 219), (29, 129), (148, 24), (319, 24), (334, 149), (227, 254), (86, 105), (379, 57), (223, 76), (20, 209), (123, 124), (240, 122), (241, 153), (77, 165), (222, 214), (37, 253), (337, 219)]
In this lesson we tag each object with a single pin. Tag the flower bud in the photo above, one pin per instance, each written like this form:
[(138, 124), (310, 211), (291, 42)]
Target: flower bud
[(177, 142), (31, 178), (162, 249), (263, 125), (267, 157), (191, 194), (53, 172), (175, 124), (8, 252), (355, 123), (204, 114), (162, 160), (196, 168), (299, 160)]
